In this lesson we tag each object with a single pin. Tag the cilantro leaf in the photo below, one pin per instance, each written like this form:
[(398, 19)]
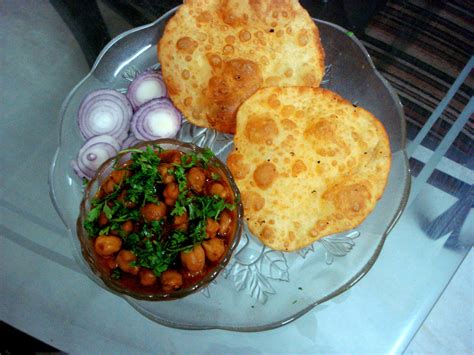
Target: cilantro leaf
[(154, 244), (108, 211), (90, 224), (94, 213), (199, 232), (192, 159)]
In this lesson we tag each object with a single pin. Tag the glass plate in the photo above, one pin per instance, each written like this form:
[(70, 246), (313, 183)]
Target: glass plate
[(260, 288)]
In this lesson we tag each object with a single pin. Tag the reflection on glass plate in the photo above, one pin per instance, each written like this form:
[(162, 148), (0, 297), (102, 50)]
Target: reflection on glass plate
[(260, 288)]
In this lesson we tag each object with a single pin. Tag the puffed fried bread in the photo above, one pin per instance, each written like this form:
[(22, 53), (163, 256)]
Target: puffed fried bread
[(308, 164), (214, 54)]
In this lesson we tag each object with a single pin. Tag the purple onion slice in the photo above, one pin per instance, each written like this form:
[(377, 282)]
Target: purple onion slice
[(156, 119), (93, 154), (105, 112), (78, 171), (145, 87)]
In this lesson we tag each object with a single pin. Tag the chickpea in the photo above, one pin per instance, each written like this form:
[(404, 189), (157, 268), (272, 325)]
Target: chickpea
[(181, 219), (118, 176), (196, 179), (214, 249), (219, 190), (171, 193), (127, 226), (171, 280), (164, 169), (193, 260), (124, 259), (181, 222), (103, 220), (147, 277), (211, 227), (111, 263), (153, 212), (108, 186), (224, 222), (176, 157), (106, 245)]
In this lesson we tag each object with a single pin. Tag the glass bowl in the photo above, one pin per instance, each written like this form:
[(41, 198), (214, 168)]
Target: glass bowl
[(87, 247), (260, 288)]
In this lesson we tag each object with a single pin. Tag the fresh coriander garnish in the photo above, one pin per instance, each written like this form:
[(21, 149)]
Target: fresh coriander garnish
[(192, 159), (156, 244)]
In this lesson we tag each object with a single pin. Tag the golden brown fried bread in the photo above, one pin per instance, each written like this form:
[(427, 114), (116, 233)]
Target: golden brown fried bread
[(308, 164), (216, 53)]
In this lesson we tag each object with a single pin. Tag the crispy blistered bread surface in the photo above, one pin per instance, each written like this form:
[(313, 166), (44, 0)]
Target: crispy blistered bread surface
[(308, 164), (214, 54)]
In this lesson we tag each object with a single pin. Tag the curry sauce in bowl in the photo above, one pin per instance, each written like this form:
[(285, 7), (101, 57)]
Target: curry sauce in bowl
[(160, 220)]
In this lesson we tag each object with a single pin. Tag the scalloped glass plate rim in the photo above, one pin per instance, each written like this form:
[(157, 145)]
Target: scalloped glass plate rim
[(358, 276)]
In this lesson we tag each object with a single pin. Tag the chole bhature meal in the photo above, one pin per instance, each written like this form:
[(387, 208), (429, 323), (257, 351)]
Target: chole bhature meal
[(214, 54), (308, 164)]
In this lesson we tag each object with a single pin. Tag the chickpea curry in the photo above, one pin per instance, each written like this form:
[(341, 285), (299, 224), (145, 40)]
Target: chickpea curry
[(163, 220)]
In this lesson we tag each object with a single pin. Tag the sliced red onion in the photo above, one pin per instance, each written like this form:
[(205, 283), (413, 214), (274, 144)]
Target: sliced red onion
[(105, 112), (145, 87), (78, 171), (130, 141), (156, 119), (93, 153)]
